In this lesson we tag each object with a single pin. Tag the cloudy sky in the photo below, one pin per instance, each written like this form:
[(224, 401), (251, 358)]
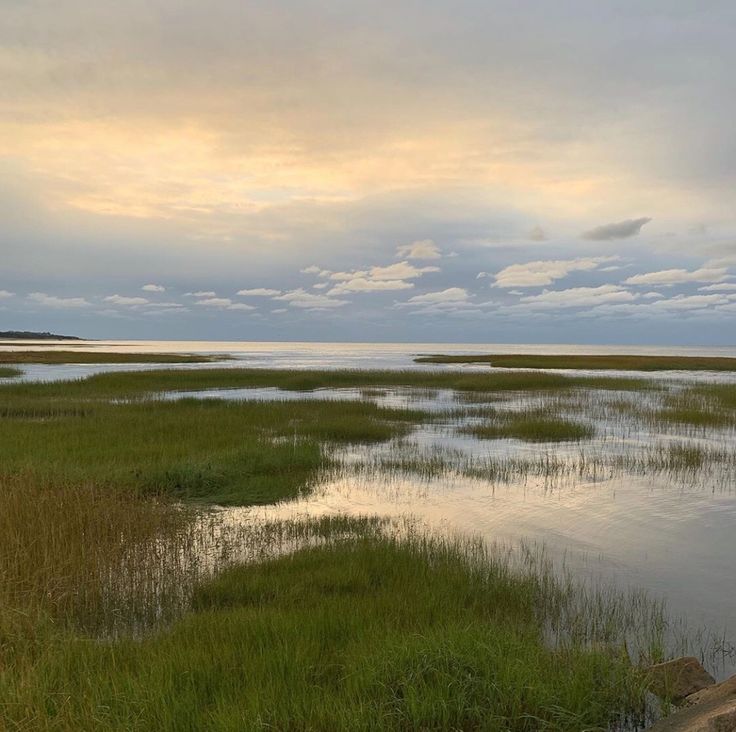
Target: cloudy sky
[(465, 170)]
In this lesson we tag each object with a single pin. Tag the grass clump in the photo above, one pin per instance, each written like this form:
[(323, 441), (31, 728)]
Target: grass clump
[(221, 452), (590, 362), (368, 634), (7, 372), (59, 357), (530, 427)]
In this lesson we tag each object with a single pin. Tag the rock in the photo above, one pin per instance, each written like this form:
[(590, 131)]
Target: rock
[(710, 710), (675, 680)]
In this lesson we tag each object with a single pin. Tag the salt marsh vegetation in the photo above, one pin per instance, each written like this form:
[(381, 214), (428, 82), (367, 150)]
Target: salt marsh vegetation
[(165, 537)]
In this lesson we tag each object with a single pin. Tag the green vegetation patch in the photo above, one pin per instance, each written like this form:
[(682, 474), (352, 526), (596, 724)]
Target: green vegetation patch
[(616, 362), (59, 357), (9, 372), (372, 634), (129, 384), (530, 427), (204, 450)]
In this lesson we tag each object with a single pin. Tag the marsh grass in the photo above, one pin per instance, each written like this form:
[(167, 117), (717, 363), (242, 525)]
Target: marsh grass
[(530, 426), (129, 384), (202, 450), (590, 362), (128, 602), (7, 372), (61, 357), (364, 630)]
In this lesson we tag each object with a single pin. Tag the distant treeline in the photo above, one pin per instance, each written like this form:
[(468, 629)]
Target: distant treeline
[(29, 335)]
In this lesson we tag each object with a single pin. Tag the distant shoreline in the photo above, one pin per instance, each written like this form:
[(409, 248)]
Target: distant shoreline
[(28, 335), (622, 362)]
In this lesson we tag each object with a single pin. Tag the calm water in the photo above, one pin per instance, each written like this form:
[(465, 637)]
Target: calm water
[(673, 533), (332, 355)]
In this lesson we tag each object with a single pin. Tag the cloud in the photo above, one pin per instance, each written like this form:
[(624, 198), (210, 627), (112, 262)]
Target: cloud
[(315, 270), (398, 271), (719, 287), (300, 298), (544, 272), (679, 276), (223, 303), (122, 300), (424, 249), (690, 302), (153, 288), (5, 294), (450, 295), (362, 284), (618, 230), (201, 293), (165, 305), (259, 292), (579, 297), (51, 301), (537, 234), (278, 311)]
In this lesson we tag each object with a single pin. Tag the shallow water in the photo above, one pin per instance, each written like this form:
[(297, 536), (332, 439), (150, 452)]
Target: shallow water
[(338, 356), (633, 524), (608, 510)]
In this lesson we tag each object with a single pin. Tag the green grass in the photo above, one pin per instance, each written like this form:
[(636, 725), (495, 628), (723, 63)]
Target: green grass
[(59, 357), (9, 372), (530, 427), (203, 450), (617, 362), (370, 634), (132, 383)]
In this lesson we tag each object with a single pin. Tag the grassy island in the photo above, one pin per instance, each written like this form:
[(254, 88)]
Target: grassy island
[(593, 362)]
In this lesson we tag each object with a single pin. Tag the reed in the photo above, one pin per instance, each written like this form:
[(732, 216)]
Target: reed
[(364, 631)]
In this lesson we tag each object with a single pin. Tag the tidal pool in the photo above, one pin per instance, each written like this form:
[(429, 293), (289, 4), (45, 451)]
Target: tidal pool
[(643, 504)]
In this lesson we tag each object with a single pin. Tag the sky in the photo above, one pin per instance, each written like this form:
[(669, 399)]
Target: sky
[(444, 170)]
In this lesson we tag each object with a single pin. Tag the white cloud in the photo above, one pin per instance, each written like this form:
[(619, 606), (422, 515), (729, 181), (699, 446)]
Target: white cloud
[(5, 294), (424, 249), (617, 230), (51, 301), (578, 297), (719, 287), (122, 300), (300, 298), (165, 305), (362, 284), (278, 311), (398, 271), (201, 293), (223, 303), (312, 269), (259, 292), (679, 276), (544, 272), (690, 302), (215, 302), (153, 288), (450, 295)]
